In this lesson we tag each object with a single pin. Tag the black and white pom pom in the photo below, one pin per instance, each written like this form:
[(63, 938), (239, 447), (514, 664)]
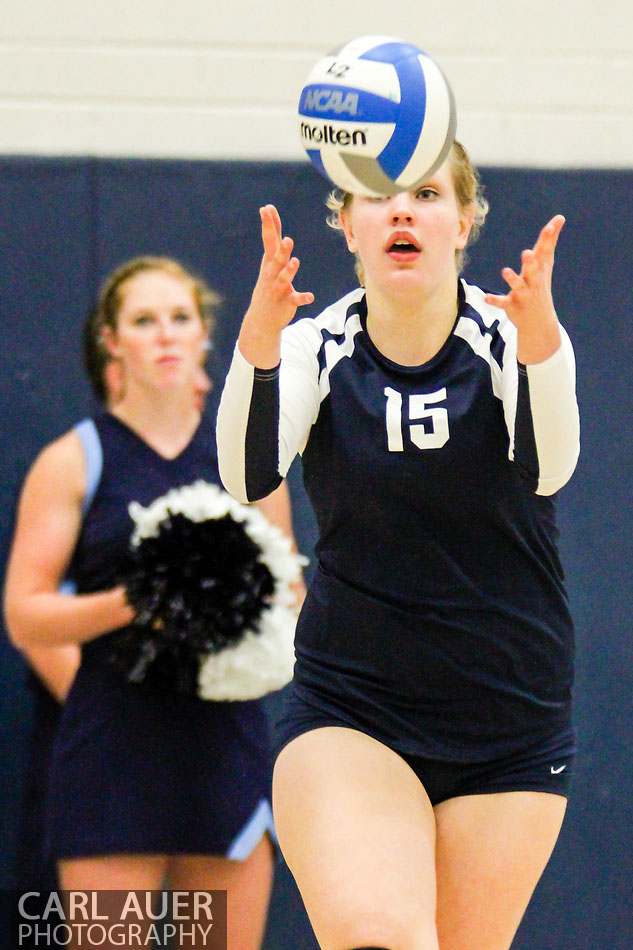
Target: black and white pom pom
[(209, 582)]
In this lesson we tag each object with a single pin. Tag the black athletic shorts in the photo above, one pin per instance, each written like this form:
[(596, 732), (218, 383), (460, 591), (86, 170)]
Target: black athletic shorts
[(545, 766)]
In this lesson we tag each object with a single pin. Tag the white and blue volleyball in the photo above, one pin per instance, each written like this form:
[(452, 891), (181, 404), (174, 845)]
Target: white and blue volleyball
[(377, 116)]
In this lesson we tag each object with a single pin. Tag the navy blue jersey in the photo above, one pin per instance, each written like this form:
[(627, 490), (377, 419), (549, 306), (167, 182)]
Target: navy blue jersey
[(130, 470), (437, 620), (134, 769)]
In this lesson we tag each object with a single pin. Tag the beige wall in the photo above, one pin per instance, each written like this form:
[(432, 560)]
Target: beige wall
[(541, 83)]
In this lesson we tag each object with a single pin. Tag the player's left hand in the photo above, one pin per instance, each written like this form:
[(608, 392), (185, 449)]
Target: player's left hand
[(529, 303)]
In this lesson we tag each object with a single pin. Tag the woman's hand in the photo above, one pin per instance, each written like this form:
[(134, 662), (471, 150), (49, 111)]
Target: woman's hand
[(529, 303), (274, 301)]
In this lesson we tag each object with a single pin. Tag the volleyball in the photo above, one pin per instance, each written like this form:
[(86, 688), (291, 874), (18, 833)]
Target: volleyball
[(377, 116)]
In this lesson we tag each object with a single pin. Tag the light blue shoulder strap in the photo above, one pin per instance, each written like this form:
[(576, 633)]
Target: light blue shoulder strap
[(91, 444), (89, 438), (67, 587)]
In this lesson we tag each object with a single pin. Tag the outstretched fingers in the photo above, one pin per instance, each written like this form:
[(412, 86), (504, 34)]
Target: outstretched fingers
[(277, 249), (271, 230), (279, 266), (274, 300), (548, 238), (537, 265), (286, 277), (540, 260)]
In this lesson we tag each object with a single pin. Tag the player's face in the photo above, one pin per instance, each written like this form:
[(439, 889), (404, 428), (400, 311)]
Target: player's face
[(408, 241), (160, 335)]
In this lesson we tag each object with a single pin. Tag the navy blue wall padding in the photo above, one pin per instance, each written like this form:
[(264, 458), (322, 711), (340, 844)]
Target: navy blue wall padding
[(67, 222)]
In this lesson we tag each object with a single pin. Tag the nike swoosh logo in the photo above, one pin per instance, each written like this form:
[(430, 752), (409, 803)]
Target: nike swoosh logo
[(557, 771)]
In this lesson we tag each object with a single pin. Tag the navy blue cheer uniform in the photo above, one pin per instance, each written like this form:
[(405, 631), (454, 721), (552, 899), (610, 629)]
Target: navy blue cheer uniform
[(135, 769), (437, 621)]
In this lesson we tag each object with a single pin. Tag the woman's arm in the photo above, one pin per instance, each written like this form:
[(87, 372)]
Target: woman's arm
[(546, 436), (547, 428), (274, 300), (248, 427), (48, 525), (529, 303), (56, 667)]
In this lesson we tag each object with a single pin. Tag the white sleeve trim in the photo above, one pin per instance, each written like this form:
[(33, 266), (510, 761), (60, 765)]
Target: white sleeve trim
[(232, 424), (298, 410), (299, 398), (555, 418)]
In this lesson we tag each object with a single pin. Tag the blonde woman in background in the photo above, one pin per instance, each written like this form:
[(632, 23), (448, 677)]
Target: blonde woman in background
[(146, 787)]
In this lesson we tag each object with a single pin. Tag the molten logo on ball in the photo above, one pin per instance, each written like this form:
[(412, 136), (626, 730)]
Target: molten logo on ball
[(329, 135), (377, 116)]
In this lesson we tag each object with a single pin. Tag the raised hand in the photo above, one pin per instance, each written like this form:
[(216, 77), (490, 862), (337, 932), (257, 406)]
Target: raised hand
[(529, 303), (274, 301)]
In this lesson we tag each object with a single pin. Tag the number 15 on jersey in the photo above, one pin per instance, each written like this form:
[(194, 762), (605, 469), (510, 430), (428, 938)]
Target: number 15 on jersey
[(427, 422)]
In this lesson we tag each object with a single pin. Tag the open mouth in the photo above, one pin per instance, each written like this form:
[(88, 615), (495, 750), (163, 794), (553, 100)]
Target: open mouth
[(403, 247)]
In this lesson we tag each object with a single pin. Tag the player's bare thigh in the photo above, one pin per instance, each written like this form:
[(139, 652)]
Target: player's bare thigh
[(491, 852), (358, 832)]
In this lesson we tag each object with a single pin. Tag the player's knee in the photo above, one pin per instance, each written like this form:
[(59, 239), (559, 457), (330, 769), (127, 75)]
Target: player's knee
[(385, 932)]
